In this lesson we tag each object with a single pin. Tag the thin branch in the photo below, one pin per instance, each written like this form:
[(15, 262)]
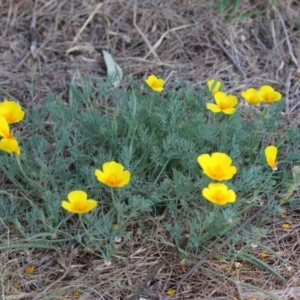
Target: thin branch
[(287, 38), (158, 267), (230, 57), (152, 50)]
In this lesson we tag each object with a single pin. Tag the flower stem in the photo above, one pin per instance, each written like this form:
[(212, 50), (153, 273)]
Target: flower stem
[(115, 204), (34, 184), (83, 226)]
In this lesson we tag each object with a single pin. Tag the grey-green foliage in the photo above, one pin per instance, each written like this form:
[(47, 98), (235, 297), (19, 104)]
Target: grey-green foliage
[(158, 137)]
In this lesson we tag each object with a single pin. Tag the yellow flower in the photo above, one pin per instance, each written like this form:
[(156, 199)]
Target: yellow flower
[(224, 103), (171, 292), (214, 86), (30, 270), (113, 174), (76, 293), (156, 84), (78, 203), (218, 193), (12, 111), (267, 94), (286, 225), (217, 166), (271, 155), (251, 96), (8, 143), (263, 256)]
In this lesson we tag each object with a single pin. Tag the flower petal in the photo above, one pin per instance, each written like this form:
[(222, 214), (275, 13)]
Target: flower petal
[(250, 95), (219, 193), (112, 167), (229, 111), (232, 100), (12, 111), (220, 98), (217, 166), (213, 107), (267, 94), (113, 174), (221, 158), (77, 194), (214, 86), (271, 155), (155, 83), (10, 145), (78, 202), (4, 127)]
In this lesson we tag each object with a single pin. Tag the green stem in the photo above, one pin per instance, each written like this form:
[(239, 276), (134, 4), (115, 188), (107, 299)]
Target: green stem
[(115, 204), (34, 184), (83, 226)]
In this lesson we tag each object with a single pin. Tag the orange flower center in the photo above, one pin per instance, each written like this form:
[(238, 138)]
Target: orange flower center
[(224, 104), (217, 172), (113, 180), (155, 84), (9, 117), (80, 206), (268, 97), (218, 196)]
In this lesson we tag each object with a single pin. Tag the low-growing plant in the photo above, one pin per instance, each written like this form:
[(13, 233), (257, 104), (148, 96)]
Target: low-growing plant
[(85, 169)]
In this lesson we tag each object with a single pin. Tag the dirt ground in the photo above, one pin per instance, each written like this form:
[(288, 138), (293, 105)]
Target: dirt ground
[(185, 39)]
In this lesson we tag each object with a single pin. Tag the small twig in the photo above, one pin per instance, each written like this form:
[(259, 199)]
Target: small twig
[(230, 57), (88, 20), (163, 36), (287, 38), (219, 247), (33, 35), (152, 50), (23, 60), (158, 267), (287, 92), (52, 284)]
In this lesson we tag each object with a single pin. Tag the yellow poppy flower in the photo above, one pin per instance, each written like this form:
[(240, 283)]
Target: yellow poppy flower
[(8, 143), (78, 203), (30, 270), (263, 255), (286, 225), (267, 94), (217, 166), (113, 174), (271, 155), (251, 96), (218, 193), (171, 292), (156, 84), (214, 86), (12, 111), (224, 103)]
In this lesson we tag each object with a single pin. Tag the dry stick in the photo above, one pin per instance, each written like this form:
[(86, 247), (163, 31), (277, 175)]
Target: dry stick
[(219, 247), (153, 273), (152, 50), (52, 284), (163, 36), (230, 57), (33, 35), (287, 92), (287, 38), (88, 20)]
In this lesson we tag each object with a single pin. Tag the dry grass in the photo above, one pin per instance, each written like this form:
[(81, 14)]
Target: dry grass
[(182, 38)]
